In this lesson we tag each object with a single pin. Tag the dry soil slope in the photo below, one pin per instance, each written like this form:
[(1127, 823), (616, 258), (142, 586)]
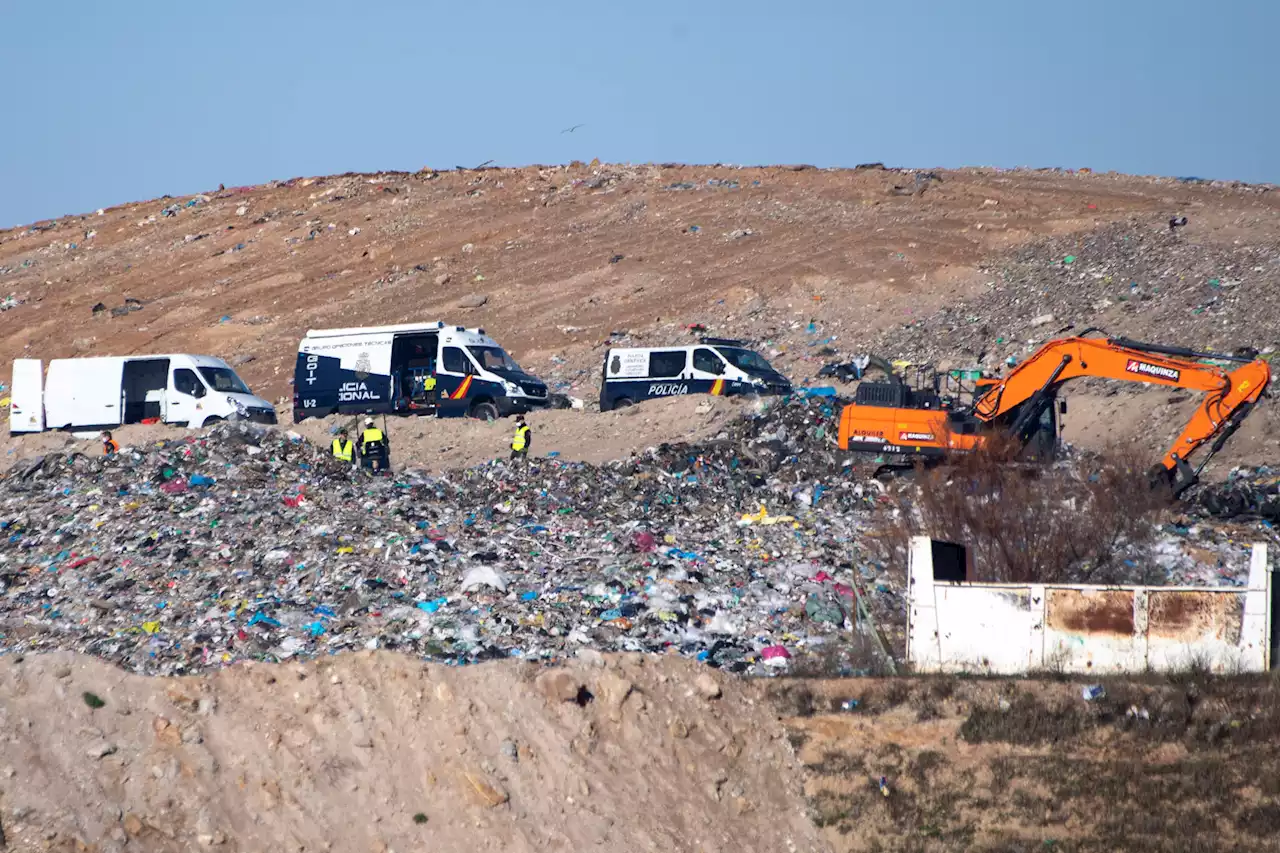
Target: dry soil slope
[(377, 752), (242, 273)]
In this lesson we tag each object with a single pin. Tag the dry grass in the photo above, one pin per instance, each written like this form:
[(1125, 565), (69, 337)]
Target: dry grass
[(1031, 766), (1033, 523)]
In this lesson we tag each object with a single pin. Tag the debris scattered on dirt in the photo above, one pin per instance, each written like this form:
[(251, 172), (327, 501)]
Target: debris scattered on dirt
[(1130, 279)]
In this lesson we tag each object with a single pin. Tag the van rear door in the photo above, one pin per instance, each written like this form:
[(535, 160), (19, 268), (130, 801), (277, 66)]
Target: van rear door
[(83, 392), (26, 396)]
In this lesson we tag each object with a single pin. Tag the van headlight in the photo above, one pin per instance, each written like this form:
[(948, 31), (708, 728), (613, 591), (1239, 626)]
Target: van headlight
[(239, 407), (511, 388)]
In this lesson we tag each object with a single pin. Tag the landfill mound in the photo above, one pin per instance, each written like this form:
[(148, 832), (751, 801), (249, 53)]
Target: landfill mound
[(264, 583), (248, 542), (757, 552), (378, 752)]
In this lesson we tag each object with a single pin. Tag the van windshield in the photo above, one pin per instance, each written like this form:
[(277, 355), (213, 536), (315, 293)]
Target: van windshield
[(745, 359), (224, 379), (495, 359)]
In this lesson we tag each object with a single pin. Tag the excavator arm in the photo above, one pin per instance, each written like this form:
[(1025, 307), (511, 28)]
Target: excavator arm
[(1228, 396)]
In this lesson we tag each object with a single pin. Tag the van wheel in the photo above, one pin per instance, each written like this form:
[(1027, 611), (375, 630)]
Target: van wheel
[(484, 411), (622, 403)]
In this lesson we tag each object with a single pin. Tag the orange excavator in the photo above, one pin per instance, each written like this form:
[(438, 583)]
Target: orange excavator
[(924, 423)]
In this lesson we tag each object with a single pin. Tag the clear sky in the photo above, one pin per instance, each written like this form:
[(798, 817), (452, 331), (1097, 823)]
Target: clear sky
[(112, 102)]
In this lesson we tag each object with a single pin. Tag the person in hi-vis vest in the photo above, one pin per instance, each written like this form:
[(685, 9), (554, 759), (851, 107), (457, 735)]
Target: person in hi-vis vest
[(374, 453), (343, 449), (520, 442)]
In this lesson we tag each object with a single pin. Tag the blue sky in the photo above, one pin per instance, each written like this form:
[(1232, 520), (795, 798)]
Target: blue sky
[(112, 102)]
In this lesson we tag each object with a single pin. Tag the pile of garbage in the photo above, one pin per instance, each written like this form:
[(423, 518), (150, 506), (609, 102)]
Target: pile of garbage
[(754, 551), (794, 441), (249, 543), (1246, 494), (1140, 279)]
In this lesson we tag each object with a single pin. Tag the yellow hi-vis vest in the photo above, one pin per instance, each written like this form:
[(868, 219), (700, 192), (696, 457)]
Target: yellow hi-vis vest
[(371, 435), (429, 384), (341, 451), (520, 441)]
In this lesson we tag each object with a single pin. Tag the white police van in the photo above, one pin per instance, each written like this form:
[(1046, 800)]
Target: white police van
[(718, 366), (385, 369), (85, 394)]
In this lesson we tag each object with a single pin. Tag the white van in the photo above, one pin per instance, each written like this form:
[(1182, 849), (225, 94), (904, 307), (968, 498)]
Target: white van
[(99, 393), (717, 366), (387, 369)]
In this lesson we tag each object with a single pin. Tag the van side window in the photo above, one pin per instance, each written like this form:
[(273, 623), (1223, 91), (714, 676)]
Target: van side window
[(455, 361), (186, 382), (707, 361), (667, 364)]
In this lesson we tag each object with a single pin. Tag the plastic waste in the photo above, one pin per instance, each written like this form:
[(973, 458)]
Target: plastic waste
[(764, 518), (484, 576), (266, 548), (824, 611)]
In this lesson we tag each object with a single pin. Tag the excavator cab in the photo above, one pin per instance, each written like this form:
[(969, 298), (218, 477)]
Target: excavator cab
[(923, 388), (1041, 432)]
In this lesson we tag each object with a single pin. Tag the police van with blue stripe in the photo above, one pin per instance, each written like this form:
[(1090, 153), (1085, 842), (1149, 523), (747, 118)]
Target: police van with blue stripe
[(717, 366), (421, 368)]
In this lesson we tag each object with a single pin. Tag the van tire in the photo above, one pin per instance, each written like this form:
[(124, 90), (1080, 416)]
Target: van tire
[(621, 403), (484, 410)]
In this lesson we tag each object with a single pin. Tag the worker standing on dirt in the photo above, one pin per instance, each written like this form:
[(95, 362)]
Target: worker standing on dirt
[(110, 446), (373, 447), (343, 449), (521, 441)]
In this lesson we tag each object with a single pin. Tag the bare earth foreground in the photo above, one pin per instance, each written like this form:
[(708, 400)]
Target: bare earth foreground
[(378, 752)]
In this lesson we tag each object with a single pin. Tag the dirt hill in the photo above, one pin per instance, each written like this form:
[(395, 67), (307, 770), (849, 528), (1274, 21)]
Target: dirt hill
[(379, 753), (561, 257)]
